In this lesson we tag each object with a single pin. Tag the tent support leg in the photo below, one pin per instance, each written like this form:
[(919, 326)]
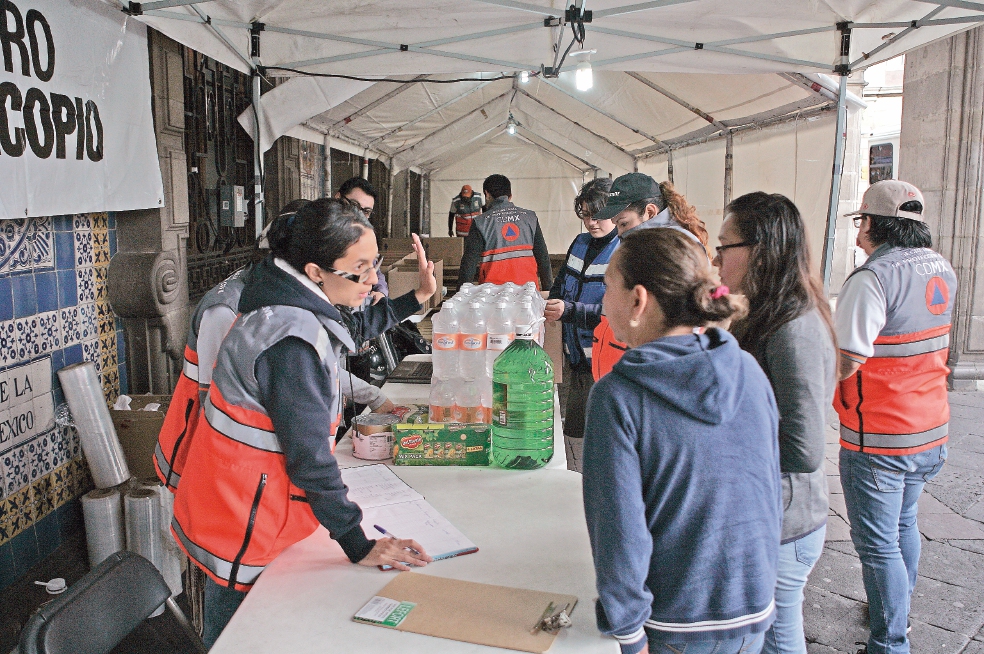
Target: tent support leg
[(327, 158), (835, 183), (258, 205), (669, 166), (729, 166)]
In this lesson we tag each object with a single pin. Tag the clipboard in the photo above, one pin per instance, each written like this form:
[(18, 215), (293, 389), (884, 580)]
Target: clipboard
[(484, 614)]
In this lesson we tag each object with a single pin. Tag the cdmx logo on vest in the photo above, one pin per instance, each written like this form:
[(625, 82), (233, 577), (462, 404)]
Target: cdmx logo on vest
[(937, 296), (510, 232)]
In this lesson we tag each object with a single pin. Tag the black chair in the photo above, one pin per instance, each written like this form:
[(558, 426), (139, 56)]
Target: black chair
[(102, 608)]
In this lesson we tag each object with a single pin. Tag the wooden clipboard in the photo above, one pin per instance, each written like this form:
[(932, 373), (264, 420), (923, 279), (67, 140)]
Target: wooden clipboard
[(498, 616)]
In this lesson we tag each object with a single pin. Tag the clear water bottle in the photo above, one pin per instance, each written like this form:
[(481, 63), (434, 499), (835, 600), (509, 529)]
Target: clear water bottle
[(501, 333), (446, 342), (474, 338), (442, 400), (522, 400), (468, 401)]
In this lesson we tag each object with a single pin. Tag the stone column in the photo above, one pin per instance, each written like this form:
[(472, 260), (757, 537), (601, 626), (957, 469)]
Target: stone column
[(148, 277), (942, 152)]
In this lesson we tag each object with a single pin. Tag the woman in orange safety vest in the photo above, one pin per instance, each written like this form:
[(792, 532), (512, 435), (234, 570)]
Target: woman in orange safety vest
[(636, 201), (260, 473)]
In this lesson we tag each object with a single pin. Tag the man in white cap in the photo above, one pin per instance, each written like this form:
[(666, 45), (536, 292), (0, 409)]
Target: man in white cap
[(893, 323)]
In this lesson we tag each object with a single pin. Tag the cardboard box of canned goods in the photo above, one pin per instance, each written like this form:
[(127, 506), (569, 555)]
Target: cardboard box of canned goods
[(435, 444)]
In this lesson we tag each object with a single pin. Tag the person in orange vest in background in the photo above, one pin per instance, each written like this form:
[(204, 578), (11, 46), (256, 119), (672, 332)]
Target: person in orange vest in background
[(636, 201), (893, 329), (261, 474), (212, 320), (464, 207), (505, 243)]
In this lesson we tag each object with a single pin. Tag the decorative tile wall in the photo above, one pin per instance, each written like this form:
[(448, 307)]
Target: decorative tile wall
[(54, 311)]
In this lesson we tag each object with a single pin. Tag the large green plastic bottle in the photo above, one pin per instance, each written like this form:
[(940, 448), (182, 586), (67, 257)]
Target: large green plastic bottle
[(522, 400)]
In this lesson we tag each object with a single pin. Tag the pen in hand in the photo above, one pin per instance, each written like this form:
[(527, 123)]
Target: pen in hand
[(386, 533)]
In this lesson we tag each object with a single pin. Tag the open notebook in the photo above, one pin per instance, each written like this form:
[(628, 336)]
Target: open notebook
[(388, 501)]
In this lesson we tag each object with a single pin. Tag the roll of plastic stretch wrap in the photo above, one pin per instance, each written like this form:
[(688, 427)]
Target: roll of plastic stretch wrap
[(99, 441), (102, 510), (143, 527), (171, 566)]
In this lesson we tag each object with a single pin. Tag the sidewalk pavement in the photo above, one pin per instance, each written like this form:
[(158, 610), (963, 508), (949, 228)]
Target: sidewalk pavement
[(947, 613)]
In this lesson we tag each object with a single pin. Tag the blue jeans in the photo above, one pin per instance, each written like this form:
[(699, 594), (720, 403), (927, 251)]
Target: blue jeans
[(796, 560), (220, 603), (881, 493), (750, 644)]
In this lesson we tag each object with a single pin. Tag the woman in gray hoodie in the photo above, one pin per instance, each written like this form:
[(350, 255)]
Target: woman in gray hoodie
[(764, 255)]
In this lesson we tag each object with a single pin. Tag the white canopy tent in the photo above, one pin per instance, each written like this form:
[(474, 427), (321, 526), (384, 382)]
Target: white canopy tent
[(722, 98)]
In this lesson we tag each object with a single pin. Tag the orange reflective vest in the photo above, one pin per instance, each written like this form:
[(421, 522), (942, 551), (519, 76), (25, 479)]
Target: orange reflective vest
[(508, 232), (236, 508), (606, 350), (896, 403), (182, 415), (465, 210)]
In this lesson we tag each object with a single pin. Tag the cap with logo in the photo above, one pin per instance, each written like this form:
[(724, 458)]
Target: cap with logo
[(466, 191), (625, 190), (885, 198)]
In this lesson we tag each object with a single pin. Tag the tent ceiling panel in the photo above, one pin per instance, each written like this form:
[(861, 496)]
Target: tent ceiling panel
[(576, 139), (435, 36), (420, 100)]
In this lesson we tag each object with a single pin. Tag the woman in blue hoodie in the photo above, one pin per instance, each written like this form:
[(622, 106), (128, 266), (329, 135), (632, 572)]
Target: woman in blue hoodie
[(681, 464)]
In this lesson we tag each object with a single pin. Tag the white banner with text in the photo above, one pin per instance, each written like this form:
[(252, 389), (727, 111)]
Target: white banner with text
[(76, 130)]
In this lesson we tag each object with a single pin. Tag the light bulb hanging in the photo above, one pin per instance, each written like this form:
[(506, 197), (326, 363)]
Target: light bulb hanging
[(584, 76), (511, 125), (524, 76)]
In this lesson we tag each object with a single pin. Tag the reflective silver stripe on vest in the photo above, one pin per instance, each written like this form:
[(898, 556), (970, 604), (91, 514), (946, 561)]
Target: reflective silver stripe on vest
[(502, 256), (587, 353), (261, 439), (190, 370), (896, 350), (895, 441), (596, 270), (172, 477), (575, 263), (220, 567)]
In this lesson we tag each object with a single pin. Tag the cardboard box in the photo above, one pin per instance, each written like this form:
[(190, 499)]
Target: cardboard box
[(403, 277), (553, 343), (138, 431), (449, 250)]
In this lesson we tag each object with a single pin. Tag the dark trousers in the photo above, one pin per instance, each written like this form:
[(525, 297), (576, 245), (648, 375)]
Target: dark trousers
[(220, 603), (573, 401)]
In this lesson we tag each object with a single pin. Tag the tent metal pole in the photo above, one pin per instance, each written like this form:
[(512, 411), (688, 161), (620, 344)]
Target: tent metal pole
[(574, 122), (327, 164), (867, 55), (960, 4), (259, 213), (389, 206), (729, 166), (835, 183), (669, 166), (406, 228)]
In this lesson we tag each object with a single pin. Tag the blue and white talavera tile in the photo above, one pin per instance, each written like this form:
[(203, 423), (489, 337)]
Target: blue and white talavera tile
[(71, 325), (85, 284), (26, 244), (17, 469)]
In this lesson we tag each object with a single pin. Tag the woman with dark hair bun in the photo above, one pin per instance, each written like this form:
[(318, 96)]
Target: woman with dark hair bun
[(764, 255), (681, 464), (575, 300), (260, 473)]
